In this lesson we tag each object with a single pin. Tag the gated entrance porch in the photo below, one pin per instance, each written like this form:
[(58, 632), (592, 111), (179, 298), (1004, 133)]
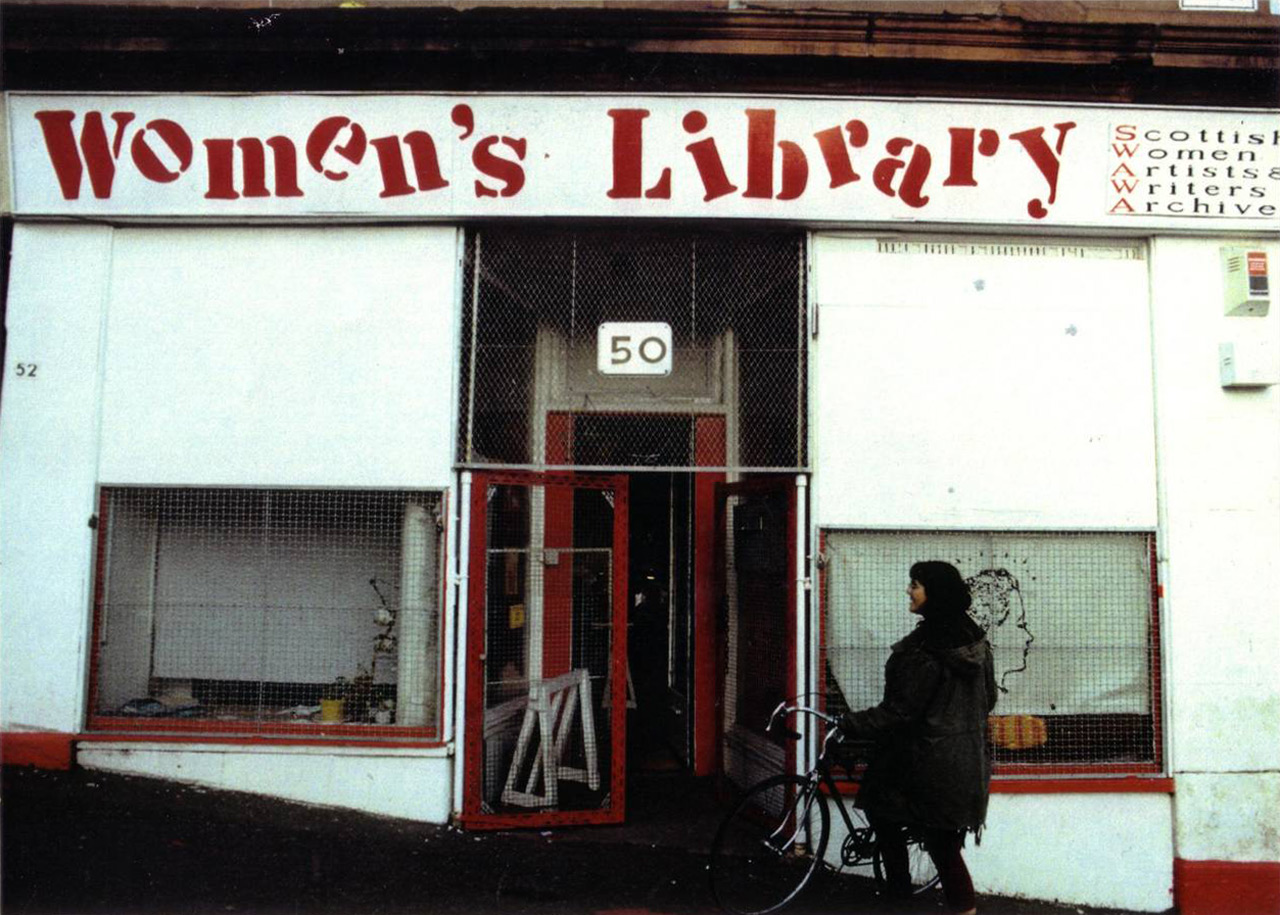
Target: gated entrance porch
[(631, 594)]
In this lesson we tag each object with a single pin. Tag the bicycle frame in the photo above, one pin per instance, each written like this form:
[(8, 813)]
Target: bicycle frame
[(756, 871), (819, 775)]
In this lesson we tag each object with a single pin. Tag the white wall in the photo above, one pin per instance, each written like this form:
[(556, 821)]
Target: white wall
[(48, 460), (289, 356), (888, 433), (281, 356), (1108, 850), (410, 784), (1003, 385), (1006, 386), (1113, 850), (1220, 470)]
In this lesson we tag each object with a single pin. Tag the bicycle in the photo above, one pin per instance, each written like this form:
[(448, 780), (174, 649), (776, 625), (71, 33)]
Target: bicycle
[(769, 846)]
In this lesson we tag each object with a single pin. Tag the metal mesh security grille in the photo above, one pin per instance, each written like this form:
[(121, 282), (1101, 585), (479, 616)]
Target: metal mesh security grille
[(303, 611), (1070, 616), (759, 618), (532, 394), (757, 605), (548, 648)]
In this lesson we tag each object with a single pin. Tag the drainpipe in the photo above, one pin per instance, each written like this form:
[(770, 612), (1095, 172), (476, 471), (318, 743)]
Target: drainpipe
[(801, 641), (457, 653)]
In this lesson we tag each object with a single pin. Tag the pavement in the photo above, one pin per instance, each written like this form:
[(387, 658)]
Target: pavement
[(91, 842)]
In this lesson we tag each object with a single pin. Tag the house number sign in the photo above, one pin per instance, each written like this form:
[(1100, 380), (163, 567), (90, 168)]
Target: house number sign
[(633, 348)]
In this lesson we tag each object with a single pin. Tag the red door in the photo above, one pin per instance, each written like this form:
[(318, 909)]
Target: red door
[(546, 650)]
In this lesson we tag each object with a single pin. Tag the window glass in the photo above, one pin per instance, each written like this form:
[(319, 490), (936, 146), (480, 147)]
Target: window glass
[(290, 608), (1070, 617)]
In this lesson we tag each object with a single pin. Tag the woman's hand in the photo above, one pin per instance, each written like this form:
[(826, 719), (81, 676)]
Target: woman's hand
[(848, 727)]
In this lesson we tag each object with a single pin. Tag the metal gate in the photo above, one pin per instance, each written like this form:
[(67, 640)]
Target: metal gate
[(546, 650), (757, 558)]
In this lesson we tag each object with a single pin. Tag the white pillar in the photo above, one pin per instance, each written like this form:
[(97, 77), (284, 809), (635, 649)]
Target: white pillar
[(419, 653)]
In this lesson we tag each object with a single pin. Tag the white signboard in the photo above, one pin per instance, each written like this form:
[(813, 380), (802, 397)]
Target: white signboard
[(633, 348), (818, 160)]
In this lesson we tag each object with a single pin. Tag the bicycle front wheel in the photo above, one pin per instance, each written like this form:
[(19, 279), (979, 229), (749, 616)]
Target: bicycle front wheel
[(769, 846)]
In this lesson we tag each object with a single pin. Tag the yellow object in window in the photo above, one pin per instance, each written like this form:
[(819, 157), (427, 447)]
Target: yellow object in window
[(1017, 732), (515, 616)]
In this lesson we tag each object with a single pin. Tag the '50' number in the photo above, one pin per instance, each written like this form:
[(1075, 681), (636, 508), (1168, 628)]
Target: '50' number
[(633, 348)]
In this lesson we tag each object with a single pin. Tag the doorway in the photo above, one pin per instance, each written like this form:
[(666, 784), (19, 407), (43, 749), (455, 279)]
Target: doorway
[(535, 398), (660, 622)]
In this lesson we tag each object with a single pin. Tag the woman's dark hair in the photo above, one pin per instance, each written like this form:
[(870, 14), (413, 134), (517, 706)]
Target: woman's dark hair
[(945, 591), (944, 619)]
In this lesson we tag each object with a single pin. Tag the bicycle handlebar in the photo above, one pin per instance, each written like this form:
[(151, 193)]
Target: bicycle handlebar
[(777, 718), (835, 734)]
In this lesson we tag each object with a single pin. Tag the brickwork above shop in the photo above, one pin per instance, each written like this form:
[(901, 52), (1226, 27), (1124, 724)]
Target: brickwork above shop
[(1137, 53)]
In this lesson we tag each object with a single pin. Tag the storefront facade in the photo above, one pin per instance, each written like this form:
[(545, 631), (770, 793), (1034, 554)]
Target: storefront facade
[(395, 451)]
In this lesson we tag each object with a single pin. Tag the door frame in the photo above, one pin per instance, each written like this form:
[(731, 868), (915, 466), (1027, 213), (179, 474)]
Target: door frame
[(710, 448), (473, 814)]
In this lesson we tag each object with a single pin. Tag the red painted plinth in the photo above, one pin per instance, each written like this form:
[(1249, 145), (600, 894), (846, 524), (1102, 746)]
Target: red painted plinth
[(42, 749), (1226, 887)]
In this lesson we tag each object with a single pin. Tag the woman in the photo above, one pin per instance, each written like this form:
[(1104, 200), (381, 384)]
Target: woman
[(932, 768)]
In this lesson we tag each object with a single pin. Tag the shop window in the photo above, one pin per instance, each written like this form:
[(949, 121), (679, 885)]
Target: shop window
[(1071, 618), (314, 612), (535, 301)]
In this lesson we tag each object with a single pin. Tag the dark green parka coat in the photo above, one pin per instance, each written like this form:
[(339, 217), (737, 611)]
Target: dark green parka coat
[(932, 765)]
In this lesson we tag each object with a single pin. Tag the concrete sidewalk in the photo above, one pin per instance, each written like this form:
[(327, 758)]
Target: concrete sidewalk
[(90, 842)]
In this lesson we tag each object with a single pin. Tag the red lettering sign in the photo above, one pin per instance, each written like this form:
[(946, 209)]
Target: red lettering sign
[(728, 158)]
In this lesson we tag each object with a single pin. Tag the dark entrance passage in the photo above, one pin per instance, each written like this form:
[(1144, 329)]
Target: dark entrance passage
[(660, 639)]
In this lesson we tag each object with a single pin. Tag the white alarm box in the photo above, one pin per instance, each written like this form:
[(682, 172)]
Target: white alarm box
[(1248, 364)]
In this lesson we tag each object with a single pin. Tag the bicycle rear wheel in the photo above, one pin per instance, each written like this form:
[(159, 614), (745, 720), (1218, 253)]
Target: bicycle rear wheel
[(924, 873), (768, 847)]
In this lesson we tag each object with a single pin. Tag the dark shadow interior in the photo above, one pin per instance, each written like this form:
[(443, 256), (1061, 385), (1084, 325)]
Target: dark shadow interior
[(659, 629)]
